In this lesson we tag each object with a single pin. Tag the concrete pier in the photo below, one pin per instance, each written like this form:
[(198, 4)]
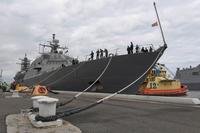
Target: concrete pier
[(17, 123), (168, 99), (117, 116)]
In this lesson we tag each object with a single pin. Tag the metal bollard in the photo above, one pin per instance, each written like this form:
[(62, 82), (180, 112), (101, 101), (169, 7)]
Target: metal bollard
[(47, 106), (35, 100)]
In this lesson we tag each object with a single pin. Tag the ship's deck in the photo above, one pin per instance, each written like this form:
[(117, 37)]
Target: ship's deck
[(119, 116)]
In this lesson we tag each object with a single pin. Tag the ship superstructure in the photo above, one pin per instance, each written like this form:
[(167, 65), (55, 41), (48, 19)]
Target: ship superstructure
[(25, 64), (49, 61)]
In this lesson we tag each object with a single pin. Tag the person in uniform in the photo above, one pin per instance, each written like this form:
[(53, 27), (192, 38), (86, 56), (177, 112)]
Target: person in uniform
[(73, 62), (146, 50), (128, 50), (13, 85), (91, 55), (150, 49), (106, 52), (101, 53), (97, 54), (137, 49), (131, 48), (142, 50)]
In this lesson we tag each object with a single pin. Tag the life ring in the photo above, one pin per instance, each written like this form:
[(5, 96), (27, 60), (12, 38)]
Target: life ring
[(42, 89), (39, 90)]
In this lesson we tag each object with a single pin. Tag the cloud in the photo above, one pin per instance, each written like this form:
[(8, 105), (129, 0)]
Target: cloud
[(88, 25)]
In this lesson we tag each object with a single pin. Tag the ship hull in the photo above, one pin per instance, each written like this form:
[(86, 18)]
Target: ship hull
[(121, 71), (190, 77), (193, 86)]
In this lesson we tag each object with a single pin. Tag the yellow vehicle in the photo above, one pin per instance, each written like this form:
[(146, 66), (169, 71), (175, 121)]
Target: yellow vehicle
[(21, 88), (158, 82)]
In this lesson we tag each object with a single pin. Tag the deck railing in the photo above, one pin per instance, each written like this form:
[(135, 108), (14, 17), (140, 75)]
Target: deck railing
[(118, 51)]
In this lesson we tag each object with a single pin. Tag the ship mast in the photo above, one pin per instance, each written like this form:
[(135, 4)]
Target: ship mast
[(53, 45), (159, 23), (25, 63)]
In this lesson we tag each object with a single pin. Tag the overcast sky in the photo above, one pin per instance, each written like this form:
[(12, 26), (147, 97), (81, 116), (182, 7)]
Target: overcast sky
[(85, 25)]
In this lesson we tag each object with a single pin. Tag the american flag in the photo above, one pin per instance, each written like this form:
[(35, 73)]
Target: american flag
[(155, 24)]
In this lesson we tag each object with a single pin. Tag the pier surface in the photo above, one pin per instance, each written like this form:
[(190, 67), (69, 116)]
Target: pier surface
[(117, 116)]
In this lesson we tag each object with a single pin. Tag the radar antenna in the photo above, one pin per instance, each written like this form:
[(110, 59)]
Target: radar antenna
[(53, 45)]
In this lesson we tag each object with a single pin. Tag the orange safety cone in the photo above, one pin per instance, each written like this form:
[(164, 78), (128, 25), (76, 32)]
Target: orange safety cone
[(39, 90)]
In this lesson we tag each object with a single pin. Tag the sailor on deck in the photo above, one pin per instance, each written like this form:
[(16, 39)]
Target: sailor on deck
[(106, 52), (150, 49), (101, 53), (137, 49), (128, 50), (131, 48), (91, 55), (97, 56)]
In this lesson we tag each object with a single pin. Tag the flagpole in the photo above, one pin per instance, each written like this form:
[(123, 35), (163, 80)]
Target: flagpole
[(163, 37)]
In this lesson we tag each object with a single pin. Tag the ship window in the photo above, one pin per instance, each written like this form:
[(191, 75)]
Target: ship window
[(195, 73)]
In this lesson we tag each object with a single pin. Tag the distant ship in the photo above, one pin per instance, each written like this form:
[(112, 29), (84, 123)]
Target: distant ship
[(59, 71), (190, 77)]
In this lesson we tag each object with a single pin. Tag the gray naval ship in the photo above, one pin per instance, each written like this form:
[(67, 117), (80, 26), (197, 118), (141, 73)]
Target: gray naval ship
[(190, 77), (59, 71)]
